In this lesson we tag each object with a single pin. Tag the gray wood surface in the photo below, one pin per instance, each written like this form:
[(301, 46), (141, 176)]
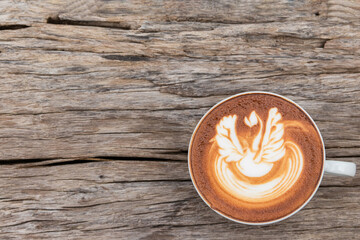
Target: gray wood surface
[(98, 100)]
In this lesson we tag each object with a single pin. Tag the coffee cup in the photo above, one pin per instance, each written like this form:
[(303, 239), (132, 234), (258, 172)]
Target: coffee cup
[(258, 158)]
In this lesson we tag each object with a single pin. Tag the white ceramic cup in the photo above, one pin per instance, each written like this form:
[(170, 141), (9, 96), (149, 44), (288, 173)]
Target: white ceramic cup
[(338, 168)]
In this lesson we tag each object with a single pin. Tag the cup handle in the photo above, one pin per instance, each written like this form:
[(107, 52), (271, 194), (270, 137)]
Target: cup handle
[(340, 168)]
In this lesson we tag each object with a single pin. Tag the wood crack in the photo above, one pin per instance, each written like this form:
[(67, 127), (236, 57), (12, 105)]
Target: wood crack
[(151, 181), (25, 161), (205, 20), (13, 27), (322, 229), (130, 58), (171, 202), (25, 222), (346, 156), (100, 229), (104, 110), (93, 205), (104, 24), (19, 200), (53, 162), (26, 177), (142, 159), (323, 42), (338, 186), (70, 162), (188, 225)]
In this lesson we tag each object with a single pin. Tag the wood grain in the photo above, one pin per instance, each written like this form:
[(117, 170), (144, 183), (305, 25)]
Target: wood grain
[(111, 93), (147, 199), (98, 101)]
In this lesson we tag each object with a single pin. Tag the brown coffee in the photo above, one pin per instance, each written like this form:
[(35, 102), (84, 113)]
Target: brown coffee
[(256, 158)]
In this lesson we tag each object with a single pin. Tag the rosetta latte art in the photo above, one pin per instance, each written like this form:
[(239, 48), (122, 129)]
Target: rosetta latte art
[(256, 167)]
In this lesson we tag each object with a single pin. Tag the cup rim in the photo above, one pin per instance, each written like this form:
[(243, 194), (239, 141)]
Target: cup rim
[(272, 221)]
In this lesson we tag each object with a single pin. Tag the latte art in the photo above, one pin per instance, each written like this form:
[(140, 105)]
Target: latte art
[(245, 164), (256, 157)]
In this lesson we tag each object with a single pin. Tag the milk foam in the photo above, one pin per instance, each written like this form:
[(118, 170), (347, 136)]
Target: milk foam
[(242, 159)]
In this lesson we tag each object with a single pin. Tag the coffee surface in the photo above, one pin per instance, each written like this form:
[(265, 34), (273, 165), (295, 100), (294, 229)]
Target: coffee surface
[(256, 158)]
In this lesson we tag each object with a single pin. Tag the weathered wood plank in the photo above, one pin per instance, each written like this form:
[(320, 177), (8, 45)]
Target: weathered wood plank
[(145, 200), (132, 14), (112, 170), (144, 96)]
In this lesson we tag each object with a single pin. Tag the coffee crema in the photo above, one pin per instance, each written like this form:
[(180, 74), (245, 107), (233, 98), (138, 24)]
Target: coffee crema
[(256, 157)]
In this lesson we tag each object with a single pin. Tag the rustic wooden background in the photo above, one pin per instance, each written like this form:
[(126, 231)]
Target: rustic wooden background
[(98, 100)]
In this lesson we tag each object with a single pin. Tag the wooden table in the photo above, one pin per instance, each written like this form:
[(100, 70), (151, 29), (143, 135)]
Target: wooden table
[(99, 100)]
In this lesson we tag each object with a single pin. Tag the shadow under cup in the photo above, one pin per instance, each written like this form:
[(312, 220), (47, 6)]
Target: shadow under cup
[(256, 158)]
